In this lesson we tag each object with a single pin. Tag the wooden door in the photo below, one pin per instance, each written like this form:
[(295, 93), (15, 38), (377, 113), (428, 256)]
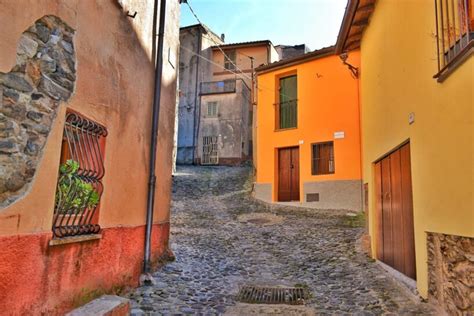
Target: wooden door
[(288, 174), (394, 206)]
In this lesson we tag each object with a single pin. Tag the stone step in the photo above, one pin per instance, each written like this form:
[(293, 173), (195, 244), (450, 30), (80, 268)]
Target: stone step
[(106, 305)]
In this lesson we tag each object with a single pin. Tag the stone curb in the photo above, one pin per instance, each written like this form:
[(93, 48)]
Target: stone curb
[(106, 305)]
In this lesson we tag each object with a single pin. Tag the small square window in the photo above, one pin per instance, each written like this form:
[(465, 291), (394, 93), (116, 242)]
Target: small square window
[(323, 158), (212, 109), (230, 60)]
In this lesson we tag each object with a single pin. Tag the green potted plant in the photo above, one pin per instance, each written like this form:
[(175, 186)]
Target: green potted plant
[(74, 195)]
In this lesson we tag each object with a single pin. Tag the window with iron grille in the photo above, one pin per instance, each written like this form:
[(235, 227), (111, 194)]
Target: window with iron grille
[(287, 108), (230, 60), (209, 150), (323, 158), (455, 33), (212, 109), (81, 170)]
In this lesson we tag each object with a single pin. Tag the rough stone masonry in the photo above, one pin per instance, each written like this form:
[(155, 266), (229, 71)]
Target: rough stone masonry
[(451, 272), (44, 75)]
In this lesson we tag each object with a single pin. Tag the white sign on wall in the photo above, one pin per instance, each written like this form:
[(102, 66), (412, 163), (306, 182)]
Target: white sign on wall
[(339, 135)]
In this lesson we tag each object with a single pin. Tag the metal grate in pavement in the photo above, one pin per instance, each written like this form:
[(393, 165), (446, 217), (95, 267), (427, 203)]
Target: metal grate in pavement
[(272, 295)]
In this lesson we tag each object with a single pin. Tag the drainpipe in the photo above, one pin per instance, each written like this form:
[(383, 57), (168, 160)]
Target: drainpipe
[(154, 132), (197, 118)]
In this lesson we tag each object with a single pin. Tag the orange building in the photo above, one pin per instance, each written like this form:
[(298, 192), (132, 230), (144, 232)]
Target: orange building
[(76, 101), (308, 132)]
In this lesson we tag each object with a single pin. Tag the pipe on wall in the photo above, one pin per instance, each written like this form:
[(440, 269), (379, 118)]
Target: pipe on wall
[(154, 130), (197, 118)]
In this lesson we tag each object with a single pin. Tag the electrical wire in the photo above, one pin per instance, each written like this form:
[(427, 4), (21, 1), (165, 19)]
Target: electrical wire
[(221, 67), (211, 62), (259, 87), (217, 44)]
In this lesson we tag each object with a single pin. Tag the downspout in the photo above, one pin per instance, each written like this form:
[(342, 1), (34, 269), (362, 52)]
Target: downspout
[(154, 132), (197, 119)]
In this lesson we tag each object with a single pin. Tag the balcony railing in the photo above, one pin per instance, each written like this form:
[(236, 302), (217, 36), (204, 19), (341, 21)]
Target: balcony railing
[(287, 114), (214, 87)]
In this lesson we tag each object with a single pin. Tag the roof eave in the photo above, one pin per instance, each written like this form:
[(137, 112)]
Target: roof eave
[(238, 45), (356, 19), (321, 53), (349, 15)]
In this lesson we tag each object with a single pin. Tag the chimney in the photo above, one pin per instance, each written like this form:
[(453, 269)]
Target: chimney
[(223, 37)]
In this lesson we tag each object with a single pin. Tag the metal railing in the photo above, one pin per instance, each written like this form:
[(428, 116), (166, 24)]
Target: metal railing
[(210, 155), (79, 187), (287, 114), (225, 86), (454, 30)]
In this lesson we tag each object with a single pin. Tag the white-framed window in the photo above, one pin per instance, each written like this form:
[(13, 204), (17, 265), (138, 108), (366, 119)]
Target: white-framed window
[(212, 109), (230, 61)]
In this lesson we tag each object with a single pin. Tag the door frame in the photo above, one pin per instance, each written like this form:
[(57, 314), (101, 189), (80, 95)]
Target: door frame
[(277, 173), (391, 151)]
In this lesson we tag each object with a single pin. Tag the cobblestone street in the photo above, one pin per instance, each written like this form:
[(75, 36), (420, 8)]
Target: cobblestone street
[(222, 239)]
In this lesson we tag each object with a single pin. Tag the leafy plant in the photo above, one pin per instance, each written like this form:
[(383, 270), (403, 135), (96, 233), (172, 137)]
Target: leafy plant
[(73, 193)]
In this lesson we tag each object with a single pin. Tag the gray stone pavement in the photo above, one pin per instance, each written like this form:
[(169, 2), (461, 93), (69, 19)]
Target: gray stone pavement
[(222, 238)]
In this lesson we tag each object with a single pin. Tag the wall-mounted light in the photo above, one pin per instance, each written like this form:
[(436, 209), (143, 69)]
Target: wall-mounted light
[(354, 70)]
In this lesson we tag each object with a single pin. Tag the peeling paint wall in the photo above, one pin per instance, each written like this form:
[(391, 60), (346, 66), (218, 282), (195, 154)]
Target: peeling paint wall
[(231, 126), (114, 87), (235, 142), (193, 70)]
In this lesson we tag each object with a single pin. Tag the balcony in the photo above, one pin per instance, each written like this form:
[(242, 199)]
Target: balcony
[(216, 87), (287, 114)]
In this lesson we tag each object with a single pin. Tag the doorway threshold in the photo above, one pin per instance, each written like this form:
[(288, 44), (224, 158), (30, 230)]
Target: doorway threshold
[(400, 278)]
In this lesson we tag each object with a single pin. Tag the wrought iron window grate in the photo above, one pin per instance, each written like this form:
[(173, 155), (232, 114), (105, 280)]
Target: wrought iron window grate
[(210, 154), (454, 31), (79, 187)]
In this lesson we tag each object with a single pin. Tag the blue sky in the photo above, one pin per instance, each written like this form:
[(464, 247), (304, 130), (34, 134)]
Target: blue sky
[(312, 22)]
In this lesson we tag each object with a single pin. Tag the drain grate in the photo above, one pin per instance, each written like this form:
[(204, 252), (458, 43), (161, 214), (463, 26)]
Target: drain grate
[(272, 295)]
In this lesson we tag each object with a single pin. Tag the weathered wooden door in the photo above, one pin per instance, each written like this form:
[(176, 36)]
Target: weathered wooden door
[(288, 174), (394, 207)]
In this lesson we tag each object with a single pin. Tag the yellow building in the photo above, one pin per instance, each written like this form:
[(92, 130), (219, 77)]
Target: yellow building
[(418, 139)]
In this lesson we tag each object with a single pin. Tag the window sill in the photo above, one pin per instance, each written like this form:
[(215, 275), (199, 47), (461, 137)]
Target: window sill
[(285, 129), (75, 239), (457, 61)]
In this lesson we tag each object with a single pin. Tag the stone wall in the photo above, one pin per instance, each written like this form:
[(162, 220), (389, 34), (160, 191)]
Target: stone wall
[(451, 272), (44, 75)]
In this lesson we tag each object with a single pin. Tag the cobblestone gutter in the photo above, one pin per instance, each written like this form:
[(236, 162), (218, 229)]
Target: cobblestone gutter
[(223, 239), (44, 75)]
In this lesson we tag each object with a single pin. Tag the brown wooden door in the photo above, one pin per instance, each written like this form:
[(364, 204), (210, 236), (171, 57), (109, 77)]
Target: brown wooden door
[(288, 174), (395, 234)]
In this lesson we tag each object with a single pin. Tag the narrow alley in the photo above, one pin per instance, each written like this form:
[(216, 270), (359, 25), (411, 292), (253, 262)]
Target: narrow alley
[(223, 239)]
